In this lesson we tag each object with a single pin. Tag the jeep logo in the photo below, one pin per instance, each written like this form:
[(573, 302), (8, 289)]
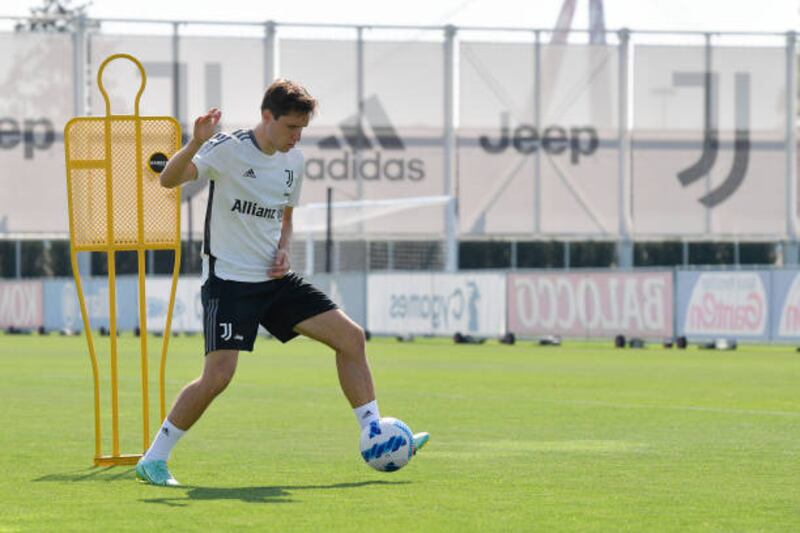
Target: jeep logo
[(554, 140), (33, 134)]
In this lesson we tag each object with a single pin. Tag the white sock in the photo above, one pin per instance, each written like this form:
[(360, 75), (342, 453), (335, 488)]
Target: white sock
[(166, 438), (367, 413)]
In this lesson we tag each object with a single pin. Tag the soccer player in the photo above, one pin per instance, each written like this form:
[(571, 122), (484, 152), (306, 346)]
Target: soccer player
[(255, 178)]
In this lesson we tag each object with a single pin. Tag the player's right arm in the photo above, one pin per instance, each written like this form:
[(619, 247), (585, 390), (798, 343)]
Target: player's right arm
[(180, 169)]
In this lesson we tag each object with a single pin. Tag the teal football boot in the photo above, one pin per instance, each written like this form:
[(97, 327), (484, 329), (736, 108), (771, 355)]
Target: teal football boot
[(155, 473)]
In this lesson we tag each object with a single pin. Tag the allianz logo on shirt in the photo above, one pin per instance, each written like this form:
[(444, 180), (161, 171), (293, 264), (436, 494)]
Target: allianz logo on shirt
[(246, 207)]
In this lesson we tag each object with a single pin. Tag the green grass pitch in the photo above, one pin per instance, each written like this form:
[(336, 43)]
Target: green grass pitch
[(524, 438)]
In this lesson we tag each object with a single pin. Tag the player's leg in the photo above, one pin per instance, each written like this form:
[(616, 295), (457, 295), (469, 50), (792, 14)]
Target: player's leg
[(195, 397), (346, 338), (230, 324), (335, 329), (188, 407)]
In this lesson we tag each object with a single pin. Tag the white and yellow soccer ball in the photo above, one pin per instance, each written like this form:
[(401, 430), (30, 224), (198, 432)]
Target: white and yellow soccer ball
[(387, 445)]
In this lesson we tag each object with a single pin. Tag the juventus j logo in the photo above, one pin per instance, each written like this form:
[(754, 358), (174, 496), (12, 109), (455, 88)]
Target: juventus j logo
[(741, 147), (289, 177), (227, 331)]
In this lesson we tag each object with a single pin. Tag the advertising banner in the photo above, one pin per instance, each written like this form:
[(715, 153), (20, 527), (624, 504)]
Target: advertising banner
[(436, 304), (534, 155), (36, 94), (785, 305), (21, 304), (724, 304), (393, 148), (591, 304), (543, 163), (709, 149), (347, 290), (187, 315), (63, 310)]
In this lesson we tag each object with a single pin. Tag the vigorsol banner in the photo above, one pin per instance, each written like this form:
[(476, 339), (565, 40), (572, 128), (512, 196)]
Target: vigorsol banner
[(591, 304), (436, 304), (720, 304), (21, 304)]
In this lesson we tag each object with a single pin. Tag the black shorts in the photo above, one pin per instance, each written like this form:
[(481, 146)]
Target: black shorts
[(232, 310)]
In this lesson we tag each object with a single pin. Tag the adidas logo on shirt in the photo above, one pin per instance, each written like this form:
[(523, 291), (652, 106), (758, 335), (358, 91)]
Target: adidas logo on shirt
[(249, 174)]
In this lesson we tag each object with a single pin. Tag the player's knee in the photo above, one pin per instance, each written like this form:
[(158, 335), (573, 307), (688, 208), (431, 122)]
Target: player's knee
[(354, 342), (360, 339), (216, 382), (216, 377), (222, 381)]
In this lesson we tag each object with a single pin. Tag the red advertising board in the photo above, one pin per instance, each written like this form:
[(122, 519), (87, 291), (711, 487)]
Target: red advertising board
[(21, 304), (591, 304)]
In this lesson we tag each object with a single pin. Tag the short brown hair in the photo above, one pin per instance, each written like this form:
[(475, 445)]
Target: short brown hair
[(284, 96)]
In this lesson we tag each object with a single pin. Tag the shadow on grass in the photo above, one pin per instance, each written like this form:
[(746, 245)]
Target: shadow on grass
[(92, 473), (275, 494)]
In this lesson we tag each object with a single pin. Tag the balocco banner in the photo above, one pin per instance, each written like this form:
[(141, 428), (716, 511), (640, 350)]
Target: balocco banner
[(436, 304), (21, 304), (712, 304), (591, 304)]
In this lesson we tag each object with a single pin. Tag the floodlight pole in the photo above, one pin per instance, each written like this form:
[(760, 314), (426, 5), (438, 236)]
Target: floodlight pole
[(537, 121), (270, 53), (176, 72), (358, 146), (329, 232), (18, 259), (790, 255), (450, 114), (79, 65), (711, 119), (625, 243)]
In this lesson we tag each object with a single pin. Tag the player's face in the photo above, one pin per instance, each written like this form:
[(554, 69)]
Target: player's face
[(285, 132)]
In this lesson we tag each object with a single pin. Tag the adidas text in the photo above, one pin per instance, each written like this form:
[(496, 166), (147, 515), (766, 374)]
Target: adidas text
[(371, 167)]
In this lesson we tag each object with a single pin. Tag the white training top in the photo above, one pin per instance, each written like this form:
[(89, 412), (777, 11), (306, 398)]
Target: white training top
[(247, 193)]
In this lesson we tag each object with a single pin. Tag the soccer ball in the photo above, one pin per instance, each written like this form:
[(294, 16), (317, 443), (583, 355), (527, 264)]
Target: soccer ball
[(387, 444)]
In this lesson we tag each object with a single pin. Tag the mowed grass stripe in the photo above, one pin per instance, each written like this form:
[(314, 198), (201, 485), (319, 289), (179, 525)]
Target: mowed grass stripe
[(582, 437)]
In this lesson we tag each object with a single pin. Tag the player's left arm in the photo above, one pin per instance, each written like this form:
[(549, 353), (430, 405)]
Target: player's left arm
[(280, 267)]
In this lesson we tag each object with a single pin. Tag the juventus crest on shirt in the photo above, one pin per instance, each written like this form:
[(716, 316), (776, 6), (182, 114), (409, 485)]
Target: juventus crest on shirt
[(248, 190)]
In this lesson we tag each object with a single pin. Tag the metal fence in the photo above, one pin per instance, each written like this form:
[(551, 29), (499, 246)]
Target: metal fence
[(648, 136)]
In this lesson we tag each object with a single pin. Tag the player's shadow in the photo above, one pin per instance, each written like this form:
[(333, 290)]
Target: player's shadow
[(91, 473), (274, 494)]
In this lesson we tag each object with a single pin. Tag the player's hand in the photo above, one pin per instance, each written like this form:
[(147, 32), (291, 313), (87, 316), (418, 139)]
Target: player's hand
[(204, 125), (280, 267)]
